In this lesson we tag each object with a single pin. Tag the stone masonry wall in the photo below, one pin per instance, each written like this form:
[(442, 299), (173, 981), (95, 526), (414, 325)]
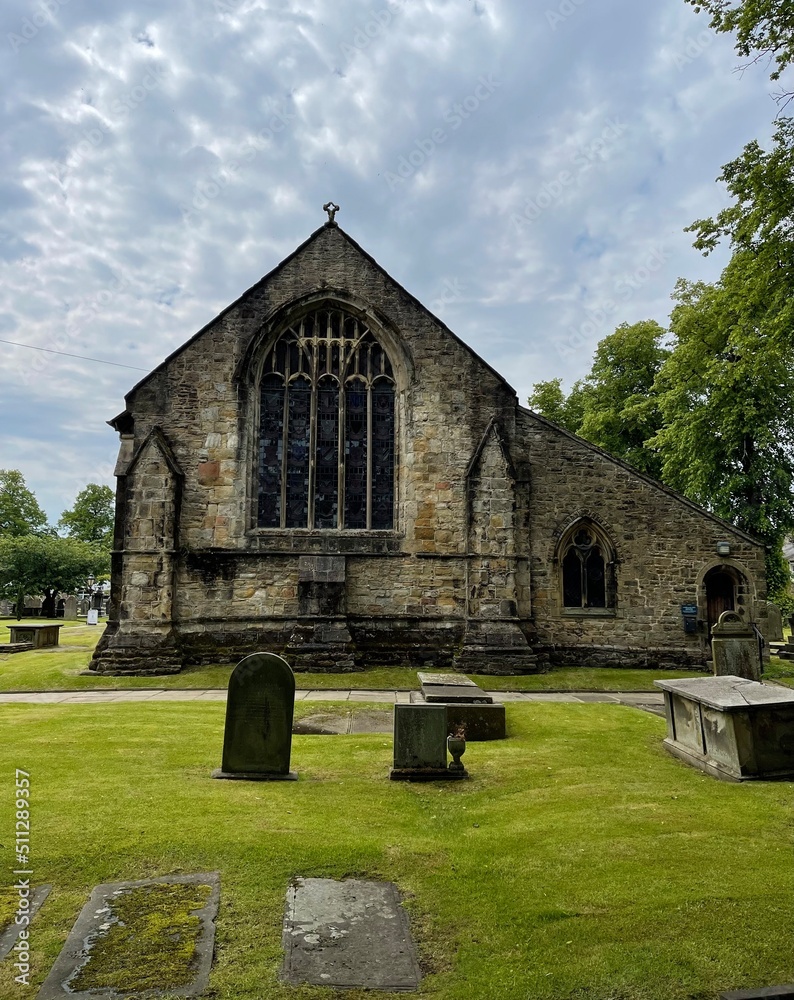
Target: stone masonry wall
[(664, 546)]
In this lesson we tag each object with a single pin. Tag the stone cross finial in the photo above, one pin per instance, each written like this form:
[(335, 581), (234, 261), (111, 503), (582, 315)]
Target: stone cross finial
[(331, 209)]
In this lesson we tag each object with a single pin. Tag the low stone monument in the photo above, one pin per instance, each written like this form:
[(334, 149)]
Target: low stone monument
[(731, 727), (735, 648), (467, 705), (420, 745), (259, 709)]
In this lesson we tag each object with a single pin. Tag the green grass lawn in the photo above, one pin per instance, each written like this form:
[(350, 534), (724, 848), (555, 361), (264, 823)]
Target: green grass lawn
[(59, 670), (580, 862)]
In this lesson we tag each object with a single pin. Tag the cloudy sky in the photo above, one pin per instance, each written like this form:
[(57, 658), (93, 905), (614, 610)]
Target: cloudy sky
[(525, 167)]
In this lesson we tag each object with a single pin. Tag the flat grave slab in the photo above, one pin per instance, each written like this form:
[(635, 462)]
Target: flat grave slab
[(8, 938), (764, 993), (348, 934), (110, 953), (459, 693), (729, 693), (444, 680)]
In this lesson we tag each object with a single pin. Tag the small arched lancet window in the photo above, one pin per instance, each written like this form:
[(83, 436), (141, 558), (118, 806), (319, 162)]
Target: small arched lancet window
[(587, 569), (327, 427)]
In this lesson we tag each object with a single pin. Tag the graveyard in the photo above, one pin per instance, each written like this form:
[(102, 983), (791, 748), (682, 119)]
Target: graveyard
[(578, 859)]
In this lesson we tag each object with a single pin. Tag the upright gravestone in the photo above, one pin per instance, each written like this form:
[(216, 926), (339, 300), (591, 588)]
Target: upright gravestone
[(735, 649), (420, 744), (70, 608), (259, 708)]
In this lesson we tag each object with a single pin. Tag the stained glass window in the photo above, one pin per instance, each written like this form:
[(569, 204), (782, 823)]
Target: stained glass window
[(327, 430)]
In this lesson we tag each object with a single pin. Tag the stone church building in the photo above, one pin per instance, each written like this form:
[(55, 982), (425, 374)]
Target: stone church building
[(326, 471)]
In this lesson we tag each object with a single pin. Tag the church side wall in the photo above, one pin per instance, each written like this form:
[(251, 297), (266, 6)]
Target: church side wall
[(663, 548)]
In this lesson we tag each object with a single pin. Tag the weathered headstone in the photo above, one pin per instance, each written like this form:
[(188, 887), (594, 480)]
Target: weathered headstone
[(734, 646), (167, 941), (5, 609), (348, 934), (420, 744), (774, 623), (70, 608), (259, 708)]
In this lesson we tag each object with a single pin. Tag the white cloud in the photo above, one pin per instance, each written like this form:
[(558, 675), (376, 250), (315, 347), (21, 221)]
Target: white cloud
[(158, 159)]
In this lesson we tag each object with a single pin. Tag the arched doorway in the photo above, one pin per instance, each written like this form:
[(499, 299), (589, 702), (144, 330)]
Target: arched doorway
[(723, 586)]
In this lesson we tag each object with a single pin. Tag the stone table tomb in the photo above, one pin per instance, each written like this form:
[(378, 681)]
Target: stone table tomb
[(731, 727)]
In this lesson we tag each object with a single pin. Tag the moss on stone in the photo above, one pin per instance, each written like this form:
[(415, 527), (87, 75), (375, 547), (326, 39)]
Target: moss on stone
[(9, 902), (150, 943)]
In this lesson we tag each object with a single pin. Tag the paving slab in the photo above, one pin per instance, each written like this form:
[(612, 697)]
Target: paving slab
[(348, 934), (328, 696), (378, 696), (9, 936), (96, 920)]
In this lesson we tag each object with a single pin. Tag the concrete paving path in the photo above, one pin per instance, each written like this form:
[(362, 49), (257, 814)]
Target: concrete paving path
[(649, 700)]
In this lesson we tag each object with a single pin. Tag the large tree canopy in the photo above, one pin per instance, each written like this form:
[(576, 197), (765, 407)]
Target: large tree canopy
[(614, 406), (20, 513), (91, 518), (725, 395), (34, 564)]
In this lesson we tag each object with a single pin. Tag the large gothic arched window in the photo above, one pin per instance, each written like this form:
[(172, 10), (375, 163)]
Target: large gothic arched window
[(587, 568), (327, 427)]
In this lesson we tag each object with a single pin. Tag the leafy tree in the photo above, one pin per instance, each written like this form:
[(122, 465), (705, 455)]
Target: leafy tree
[(20, 513), (725, 396), (764, 28), (91, 518), (620, 412), (761, 219), (614, 406), (35, 564), (550, 401)]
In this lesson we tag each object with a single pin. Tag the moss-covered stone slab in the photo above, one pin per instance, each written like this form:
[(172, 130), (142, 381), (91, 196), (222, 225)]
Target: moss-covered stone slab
[(17, 911), (348, 934), (139, 939)]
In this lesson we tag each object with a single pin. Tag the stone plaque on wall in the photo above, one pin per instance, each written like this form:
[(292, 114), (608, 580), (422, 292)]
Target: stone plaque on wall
[(321, 569), (259, 708)]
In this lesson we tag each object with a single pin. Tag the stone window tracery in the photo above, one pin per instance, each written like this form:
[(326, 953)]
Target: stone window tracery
[(326, 455), (587, 569)]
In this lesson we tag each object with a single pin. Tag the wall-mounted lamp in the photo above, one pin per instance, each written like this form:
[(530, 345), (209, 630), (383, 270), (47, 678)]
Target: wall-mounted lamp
[(723, 548)]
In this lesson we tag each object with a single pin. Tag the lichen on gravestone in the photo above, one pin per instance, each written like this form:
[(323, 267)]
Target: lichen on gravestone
[(147, 940)]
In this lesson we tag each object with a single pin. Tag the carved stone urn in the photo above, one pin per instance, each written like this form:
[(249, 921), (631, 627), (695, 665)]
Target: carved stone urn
[(456, 744)]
